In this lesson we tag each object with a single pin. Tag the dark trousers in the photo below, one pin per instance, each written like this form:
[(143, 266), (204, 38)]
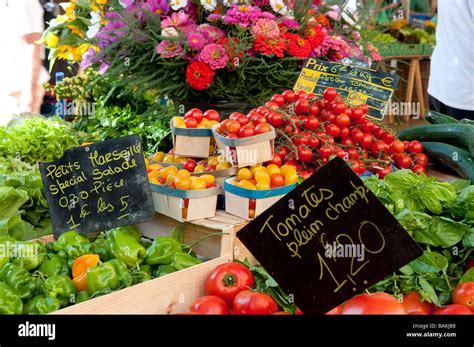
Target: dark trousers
[(438, 106)]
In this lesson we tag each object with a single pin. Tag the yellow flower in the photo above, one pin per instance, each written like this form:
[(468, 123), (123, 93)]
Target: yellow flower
[(61, 19), (51, 40), (76, 30), (70, 10), (102, 2), (63, 52)]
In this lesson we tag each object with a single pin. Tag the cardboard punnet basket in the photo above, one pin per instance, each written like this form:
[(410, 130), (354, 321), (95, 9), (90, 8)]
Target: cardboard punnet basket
[(220, 176), (185, 205), (174, 292), (246, 151), (192, 143), (237, 199)]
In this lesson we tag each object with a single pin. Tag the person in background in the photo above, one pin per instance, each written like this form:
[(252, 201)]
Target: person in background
[(451, 83), (21, 62)]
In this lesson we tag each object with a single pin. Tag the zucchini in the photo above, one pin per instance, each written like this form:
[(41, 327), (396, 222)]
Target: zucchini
[(467, 121), (461, 135), (438, 118), (455, 158)]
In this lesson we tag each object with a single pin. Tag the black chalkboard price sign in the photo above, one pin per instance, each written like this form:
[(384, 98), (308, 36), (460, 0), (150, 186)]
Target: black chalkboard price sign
[(328, 239), (357, 84), (97, 187)]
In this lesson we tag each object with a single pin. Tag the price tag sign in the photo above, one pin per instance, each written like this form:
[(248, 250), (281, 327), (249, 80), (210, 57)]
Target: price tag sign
[(100, 186), (357, 84), (328, 239)]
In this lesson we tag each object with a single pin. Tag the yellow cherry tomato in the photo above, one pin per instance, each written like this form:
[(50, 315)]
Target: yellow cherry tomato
[(169, 158), (153, 175), (179, 160), (200, 168), (178, 122), (286, 169), (223, 166), (272, 169), (244, 174), (255, 168), (184, 173), (291, 178), (212, 161), (158, 156), (181, 182), (208, 178), (263, 185), (154, 180), (262, 176), (155, 167), (246, 184), (211, 123), (198, 184)]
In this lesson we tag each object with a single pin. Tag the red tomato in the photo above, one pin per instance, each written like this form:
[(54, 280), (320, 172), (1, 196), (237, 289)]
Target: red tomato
[(304, 154), (453, 309), (406, 144), (227, 280), (212, 115), (357, 135), (278, 99), (275, 160), (420, 159), (339, 107), (302, 107), (366, 141), (243, 120), (377, 147), (246, 131), (275, 119), (413, 303), (355, 165), (311, 123), (415, 147), (404, 161), (259, 119), (377, 132), (418, 169), (325, 151), (194, 113), (333, 130), (344, 133), (289, 96), (397, 146), (329, 94), (342, 154), (282, 151), (262, 110), (335, 311), (262, 128), (374, 303), (189, 165), (233, 126), (343, 120), (277, 180), (384, 172), (210, 304), (464, 295), (368, 126), (314, 110), (356, 113), (364, 108), (191, 122), (388, 137), (313, 142), (271, 104), (353, 153), (249, 302)]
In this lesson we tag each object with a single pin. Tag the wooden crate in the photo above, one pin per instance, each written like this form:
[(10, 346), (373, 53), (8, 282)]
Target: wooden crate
[(175, 292)]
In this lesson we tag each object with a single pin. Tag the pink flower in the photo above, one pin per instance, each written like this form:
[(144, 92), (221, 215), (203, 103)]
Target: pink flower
[(333, 47), (214, 55), (244, 15), (334, 13), (169, 49), (196, 40), (177, 19), (291, 23), (211, 33), (266, 27)]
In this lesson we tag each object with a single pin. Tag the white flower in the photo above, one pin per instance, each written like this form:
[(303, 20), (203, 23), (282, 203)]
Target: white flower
[(209, 5), (177, 4), (95, 25), (279, 7), (230, 2), (169, 32)]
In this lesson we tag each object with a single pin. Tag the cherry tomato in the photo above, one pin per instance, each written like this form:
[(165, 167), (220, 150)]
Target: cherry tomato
[(262, 128), (325, 152), (343, 120), (368, 126), (453, 309), (357, 135), (227, 280), (304, 154), (289, 96), (415, 147), (271, 104), (366, 141), (406, 144), (275, 160), (311, 123), (384, 172), (249, 302), (314, 142), (333, 130), (282, 151), (331, 117), (353, 153), (246, 131), (404, 161), (420, 159), (279, 99), (377, 147), (313, 110), (464, 295), (364, 108), (339, 107), (329, 94), (262, 110), (190, 165), (194, 113), (210, 304), (243, 120), (233, 126), (397, 146), (357, 113), (413, 303), (277, 180), (374, 303), (344, 132), (212, 115), (388, 137), (275, 119), (347, 142), (418, 169), (301, 94), (302, 107), (342, 154), (191, 122), (377, 132)]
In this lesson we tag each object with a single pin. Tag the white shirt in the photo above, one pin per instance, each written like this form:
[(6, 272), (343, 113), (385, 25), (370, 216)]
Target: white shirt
[(18, 18), (452, 63)]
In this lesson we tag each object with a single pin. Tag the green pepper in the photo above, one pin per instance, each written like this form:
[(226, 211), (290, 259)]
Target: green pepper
[(6, 243), (101, 246), (69, 238), (19, 280), (164, 270), (184, 260), (41, 305), (54, 265), (10, 302), (125, 245), (146, 268), (75, 251), (162, 251), (102, 277), (82, 296), (28, 254), (122, 271), (60, 287)]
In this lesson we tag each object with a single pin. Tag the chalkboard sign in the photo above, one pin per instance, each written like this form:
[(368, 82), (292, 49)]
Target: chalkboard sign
[(98, 187), (358, 85), (328, 239)]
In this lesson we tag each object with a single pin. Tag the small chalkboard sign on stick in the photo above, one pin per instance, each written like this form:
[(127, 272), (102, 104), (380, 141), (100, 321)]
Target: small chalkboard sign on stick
[(328, 239), (358, 85), (98, 187)]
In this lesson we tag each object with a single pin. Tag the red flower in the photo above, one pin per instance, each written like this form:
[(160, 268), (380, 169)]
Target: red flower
[(298, 46), (234, 52), (268, 45), (315, 34), (199, 76)]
